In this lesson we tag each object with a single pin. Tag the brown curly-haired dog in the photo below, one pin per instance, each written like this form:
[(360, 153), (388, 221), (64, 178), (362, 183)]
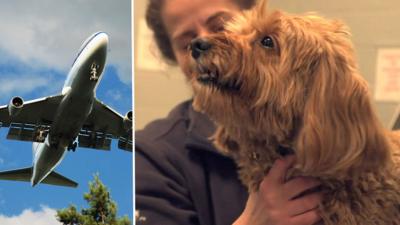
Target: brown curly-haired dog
[(278, 83)]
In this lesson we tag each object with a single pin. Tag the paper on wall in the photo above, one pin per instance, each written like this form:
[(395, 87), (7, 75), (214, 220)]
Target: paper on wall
[(387, 82)]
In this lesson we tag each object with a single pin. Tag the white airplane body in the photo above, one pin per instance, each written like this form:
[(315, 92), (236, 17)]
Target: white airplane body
[(57, 121)]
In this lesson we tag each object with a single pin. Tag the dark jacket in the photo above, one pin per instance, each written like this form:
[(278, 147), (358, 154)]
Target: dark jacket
[(181, 179)]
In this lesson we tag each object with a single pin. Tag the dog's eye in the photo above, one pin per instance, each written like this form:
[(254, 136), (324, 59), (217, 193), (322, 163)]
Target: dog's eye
[(267, 42)]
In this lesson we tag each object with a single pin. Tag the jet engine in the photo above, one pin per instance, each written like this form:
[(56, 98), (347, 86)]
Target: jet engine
[(128, 120), (15, 106)]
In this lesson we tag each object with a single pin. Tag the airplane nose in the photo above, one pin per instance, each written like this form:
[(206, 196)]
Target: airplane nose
[(102, 39)]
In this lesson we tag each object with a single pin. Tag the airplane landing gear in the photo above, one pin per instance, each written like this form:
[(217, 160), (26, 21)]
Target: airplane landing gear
[(93, 72), (72, 146)]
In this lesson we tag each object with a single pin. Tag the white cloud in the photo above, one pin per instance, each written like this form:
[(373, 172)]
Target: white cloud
[(45, 216), (21, 84), (26, 82), (114, 94), (49, 33)]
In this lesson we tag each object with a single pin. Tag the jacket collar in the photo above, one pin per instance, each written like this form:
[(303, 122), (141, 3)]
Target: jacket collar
[(200, 129), (219, 169)]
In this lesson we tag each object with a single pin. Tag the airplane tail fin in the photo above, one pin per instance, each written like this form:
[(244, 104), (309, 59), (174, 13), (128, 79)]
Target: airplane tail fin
[(25, 174), (58, 179)]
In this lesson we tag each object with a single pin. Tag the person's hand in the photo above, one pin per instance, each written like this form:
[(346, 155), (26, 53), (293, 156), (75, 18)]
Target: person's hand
[(276, 201)]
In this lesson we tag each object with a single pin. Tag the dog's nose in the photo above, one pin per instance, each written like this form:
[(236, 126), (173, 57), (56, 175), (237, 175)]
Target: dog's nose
[(199, 46)]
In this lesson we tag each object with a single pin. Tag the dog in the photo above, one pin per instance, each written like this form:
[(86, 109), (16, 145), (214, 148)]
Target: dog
[(277, 83)]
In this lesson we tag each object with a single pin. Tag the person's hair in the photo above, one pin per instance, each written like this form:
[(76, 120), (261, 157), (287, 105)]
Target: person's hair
[(156, 24)]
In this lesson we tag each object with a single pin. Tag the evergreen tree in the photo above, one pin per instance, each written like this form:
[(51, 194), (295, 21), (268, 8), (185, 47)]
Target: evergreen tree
[(102, 210)]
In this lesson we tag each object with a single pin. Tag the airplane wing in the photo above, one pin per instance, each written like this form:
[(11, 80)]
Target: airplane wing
[(102, 125), (35, 114)]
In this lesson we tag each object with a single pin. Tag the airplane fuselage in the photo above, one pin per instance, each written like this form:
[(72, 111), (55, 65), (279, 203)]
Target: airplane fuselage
[(76, 105)]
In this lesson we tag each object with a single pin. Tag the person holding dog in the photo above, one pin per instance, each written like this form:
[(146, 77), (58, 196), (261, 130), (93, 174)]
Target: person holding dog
[(181, 179)]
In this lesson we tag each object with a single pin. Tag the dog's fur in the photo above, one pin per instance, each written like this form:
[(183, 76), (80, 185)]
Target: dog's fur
[(304, 94)]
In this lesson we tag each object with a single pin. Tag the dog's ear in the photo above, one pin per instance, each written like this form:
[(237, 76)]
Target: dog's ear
[(340, 134), (261, 9)]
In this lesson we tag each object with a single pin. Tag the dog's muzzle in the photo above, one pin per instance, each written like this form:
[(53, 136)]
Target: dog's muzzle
[(199, 46), (210, 75)]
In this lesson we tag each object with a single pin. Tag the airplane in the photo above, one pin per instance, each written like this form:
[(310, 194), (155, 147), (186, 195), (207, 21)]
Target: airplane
[(60, 123)]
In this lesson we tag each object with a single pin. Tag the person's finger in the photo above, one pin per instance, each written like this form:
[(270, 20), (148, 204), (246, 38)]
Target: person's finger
[(296, 186), (304, 204), (278, 171), (307, 218)]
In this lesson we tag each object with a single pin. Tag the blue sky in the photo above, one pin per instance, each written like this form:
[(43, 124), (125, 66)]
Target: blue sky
[(38, 43)]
